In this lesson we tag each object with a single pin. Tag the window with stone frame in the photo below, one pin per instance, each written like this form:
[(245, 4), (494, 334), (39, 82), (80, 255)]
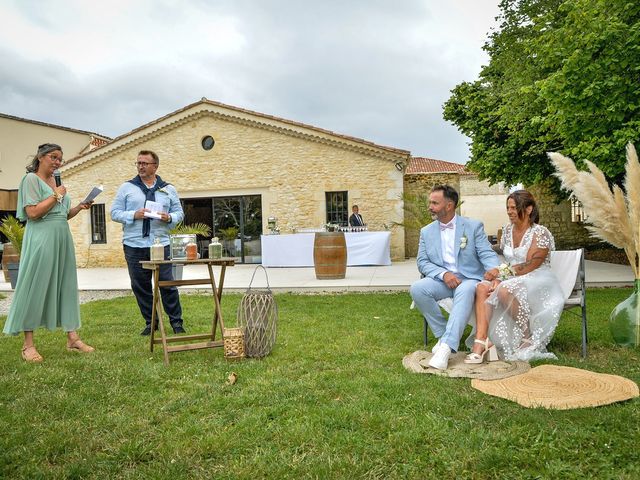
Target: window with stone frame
[(98, 224), (577, 210)]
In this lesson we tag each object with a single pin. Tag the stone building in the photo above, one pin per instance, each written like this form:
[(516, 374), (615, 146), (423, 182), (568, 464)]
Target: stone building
[(235, 168)]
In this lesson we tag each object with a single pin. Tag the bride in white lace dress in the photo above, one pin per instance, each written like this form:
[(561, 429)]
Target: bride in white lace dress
[(519, 312)]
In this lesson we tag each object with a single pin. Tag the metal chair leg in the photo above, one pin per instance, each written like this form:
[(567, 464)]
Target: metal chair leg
[(583, 304), (426, 337), (584, 331)]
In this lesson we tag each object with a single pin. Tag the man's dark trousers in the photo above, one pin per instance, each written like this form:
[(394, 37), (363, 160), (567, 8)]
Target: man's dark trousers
[(142, 286)]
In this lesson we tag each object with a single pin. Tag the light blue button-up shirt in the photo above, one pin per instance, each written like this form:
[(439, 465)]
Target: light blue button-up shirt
[(129, 199)]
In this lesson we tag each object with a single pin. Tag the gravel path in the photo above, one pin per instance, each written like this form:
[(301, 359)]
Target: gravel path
[(85, 296)]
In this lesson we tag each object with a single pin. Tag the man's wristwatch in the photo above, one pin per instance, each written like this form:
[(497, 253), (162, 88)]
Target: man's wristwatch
[(169, 218)]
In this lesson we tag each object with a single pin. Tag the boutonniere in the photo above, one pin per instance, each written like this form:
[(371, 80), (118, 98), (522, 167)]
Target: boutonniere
[(163, 190), (463, 241)]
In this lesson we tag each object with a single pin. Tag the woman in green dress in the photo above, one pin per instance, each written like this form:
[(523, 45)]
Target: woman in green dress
[(46, 293)]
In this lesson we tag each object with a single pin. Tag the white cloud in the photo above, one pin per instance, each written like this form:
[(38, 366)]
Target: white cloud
[(376, 69)]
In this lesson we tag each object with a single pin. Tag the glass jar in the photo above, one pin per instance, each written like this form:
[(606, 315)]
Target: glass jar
[(157, 251), (215, 249), (178, 245), (192, 251)]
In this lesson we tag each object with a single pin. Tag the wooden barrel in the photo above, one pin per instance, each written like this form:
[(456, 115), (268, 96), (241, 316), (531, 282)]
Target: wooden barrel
[(330, 255), (9, 255)]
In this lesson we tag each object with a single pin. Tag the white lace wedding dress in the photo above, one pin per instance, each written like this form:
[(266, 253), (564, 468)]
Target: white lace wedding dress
[(522, 329)]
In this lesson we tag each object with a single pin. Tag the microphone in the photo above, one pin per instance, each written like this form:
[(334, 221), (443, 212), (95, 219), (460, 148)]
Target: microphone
[(56, 176)]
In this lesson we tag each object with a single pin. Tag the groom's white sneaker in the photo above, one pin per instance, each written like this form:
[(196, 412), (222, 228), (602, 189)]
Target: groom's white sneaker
[(440, 358), (435, 347)]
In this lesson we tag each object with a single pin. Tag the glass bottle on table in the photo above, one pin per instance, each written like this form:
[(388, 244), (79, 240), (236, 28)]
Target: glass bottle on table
[(215, 249), (157, 251)]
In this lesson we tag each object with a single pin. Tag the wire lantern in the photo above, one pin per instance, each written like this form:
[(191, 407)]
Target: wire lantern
[(258, 317)]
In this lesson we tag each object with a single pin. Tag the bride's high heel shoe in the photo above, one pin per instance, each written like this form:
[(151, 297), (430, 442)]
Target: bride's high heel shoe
[(474, 357)]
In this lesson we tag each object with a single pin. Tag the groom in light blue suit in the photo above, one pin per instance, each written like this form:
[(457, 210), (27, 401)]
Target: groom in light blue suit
[(453, 256)]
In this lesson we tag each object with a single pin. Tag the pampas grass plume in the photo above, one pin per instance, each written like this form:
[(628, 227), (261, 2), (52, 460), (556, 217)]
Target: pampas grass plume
[(614, 217)]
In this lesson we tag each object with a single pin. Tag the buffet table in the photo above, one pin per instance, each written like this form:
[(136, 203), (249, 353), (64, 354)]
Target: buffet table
[(296, 250)]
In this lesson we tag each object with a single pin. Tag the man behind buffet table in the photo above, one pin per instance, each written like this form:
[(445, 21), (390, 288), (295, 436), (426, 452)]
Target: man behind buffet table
[(355, 220)]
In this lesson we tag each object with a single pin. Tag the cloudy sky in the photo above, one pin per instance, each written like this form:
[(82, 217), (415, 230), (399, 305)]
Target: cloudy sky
[(375, 69)]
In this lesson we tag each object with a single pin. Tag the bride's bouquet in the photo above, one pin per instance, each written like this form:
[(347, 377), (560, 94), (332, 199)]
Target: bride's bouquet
[(505, 271)]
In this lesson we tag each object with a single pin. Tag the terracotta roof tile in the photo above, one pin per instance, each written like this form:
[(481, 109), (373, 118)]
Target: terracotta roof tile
[(98, 142), (431, 165)]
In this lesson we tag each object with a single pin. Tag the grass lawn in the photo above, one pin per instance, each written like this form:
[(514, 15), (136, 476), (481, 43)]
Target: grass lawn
[(331, 401)]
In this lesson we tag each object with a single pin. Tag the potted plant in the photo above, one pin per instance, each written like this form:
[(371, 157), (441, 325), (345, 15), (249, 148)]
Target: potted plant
[(193, 228), (14, 231), (201, 229), (416, 211), (229, 238)]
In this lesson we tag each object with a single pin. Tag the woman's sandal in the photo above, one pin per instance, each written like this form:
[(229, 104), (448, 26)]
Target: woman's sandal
[(79, 346), (474, 357), (33, 357)]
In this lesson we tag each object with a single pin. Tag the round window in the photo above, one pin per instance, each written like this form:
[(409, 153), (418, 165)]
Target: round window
[(208, 142)]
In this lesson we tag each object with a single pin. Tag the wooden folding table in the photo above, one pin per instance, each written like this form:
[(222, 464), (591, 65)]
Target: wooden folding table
[(206, 340)]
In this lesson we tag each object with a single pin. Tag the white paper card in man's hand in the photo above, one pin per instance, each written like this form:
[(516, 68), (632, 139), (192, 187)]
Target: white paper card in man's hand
[(155, 209)]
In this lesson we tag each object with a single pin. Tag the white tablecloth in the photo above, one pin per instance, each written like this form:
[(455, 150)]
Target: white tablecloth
[(296, 250)]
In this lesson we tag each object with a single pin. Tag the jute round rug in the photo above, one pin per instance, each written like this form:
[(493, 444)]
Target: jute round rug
[(418, 362), (560, 388)]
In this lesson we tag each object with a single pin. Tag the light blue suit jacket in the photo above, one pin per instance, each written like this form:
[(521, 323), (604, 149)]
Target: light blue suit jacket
[(472, 261)]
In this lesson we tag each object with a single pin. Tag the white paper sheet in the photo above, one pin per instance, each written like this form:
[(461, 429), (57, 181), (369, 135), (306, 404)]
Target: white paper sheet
[(95, 191), (155, 209)]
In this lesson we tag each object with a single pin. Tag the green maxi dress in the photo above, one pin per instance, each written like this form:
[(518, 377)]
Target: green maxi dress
[(46, 293)]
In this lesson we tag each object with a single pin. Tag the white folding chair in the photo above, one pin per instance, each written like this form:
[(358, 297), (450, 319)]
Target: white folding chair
[(568, 265)]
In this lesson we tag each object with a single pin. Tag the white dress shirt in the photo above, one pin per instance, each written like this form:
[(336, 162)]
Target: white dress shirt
[(447, 241)]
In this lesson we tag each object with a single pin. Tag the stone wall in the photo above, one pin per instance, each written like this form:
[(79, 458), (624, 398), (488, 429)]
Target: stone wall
[(423, 183), (472, 185), (557, 218), (484, 202), (291, 171)]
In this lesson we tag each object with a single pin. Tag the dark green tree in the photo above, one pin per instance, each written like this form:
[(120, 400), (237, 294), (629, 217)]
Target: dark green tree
[(563, 75)]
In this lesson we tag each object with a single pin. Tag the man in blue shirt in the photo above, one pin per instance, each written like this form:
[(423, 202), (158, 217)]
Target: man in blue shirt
[(140, 232)]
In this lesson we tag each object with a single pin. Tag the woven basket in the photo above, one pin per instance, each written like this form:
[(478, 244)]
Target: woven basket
[(233, 343), (258, 315)]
